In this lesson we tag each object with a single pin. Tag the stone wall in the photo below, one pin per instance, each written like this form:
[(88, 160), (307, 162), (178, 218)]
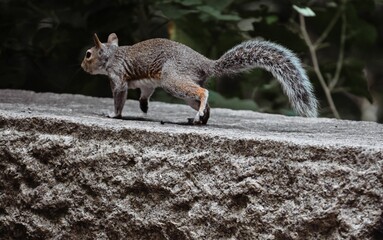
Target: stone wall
[(68, 172)]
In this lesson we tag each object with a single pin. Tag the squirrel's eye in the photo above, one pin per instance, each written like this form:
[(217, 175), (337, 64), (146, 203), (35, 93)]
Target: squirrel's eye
[(88, 54)]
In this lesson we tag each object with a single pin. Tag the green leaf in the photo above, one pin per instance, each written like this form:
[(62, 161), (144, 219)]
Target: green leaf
[(247, 24), (360, 31), (271, 19), (189, 2), (219, 4), (217, 14), (173, 12), (332, 4), (189, 36), (306, 11)]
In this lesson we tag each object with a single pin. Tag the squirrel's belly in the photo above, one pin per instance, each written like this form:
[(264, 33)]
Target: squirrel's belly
[(143, 83)]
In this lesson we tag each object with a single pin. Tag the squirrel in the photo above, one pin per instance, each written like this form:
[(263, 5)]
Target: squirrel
[(182, 72)]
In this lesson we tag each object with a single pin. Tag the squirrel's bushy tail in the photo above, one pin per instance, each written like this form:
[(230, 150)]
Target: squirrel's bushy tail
[(281, 62)]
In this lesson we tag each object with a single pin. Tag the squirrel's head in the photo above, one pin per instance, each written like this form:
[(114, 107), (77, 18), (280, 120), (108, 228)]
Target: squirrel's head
[(96, 59)]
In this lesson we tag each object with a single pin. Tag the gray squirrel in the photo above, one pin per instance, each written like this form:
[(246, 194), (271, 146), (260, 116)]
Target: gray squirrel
[(182, 72)]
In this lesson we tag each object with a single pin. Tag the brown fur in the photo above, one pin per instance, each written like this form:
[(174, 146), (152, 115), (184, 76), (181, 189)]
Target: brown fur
[(182, 71)]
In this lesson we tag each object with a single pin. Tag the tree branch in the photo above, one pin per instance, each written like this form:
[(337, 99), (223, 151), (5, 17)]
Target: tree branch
[(328, 29), (317, 70), (339, 64)]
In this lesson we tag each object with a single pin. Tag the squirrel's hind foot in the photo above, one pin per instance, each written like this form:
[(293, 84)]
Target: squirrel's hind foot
[(192, 121), (200, 119)]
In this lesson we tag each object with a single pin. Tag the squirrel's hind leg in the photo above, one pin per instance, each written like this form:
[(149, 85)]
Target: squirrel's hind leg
[(146, 93), (185, 88)]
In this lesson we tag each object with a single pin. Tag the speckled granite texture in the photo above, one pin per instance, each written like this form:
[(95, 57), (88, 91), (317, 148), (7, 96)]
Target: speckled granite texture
[(68, 172)]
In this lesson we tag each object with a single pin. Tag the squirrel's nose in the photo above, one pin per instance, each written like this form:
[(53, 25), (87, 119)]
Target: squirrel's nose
[(83, 66)]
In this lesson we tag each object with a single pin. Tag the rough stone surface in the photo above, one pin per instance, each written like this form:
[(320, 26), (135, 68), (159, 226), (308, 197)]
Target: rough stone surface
[(68, 172)]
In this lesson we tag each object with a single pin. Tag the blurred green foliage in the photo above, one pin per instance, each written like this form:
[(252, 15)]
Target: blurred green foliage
[(43, 42)]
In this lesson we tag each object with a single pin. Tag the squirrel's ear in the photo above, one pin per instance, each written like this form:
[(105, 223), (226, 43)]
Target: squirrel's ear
[(97, 41), (112, 39)]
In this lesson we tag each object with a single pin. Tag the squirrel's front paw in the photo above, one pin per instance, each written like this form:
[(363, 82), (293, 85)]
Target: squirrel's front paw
[(144, 105), (113, 115)]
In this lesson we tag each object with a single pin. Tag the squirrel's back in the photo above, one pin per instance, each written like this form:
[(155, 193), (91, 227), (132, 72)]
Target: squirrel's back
[(151, 55)]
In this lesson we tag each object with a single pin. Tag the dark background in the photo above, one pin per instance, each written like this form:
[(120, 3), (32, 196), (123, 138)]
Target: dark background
[(43, 42)]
